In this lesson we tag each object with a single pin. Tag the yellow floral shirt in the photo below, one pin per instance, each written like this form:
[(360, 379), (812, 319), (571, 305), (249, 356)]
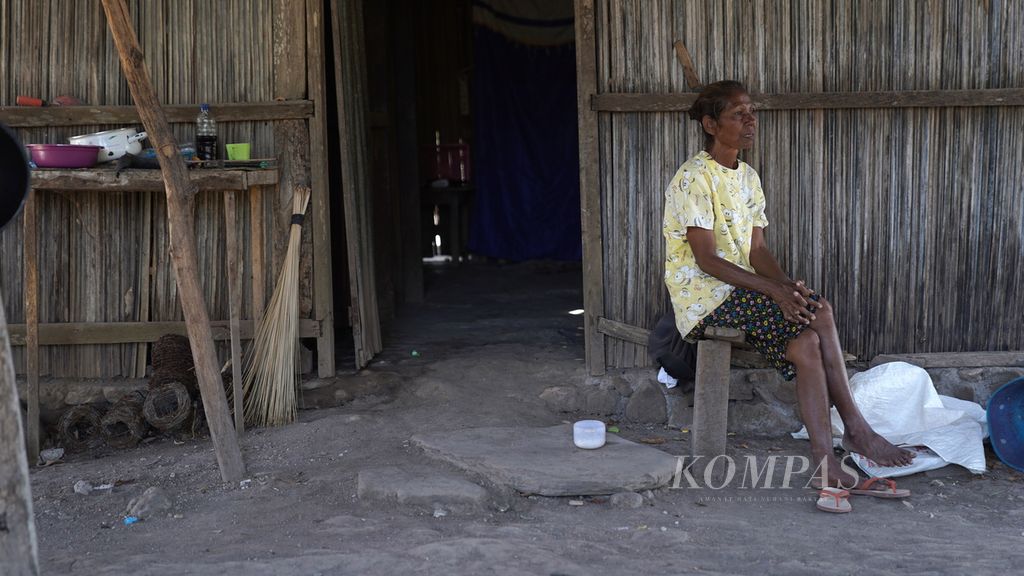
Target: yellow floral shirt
[(705, 194)]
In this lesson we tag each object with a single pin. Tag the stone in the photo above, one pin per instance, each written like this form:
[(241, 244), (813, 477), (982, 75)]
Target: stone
[(997, 377), (149, 504), (622, 385), (85, 393), (971, 374), (741, 386), (51, 455), (419, 486), (975, 384), (626, 500), (50, 397), (760, 419), (600, 401), (561, 398), (545, 462), (647, 404), (961, 391), (781, 390), (113, 393), (680, 411)]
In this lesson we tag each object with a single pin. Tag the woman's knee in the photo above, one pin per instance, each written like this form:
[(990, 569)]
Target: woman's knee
[(823, 317), (804, 349)]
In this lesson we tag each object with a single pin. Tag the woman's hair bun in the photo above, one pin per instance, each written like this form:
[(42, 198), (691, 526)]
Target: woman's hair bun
[(713, 99)]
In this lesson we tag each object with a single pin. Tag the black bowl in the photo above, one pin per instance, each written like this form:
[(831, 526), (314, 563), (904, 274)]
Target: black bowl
[(14, 175)]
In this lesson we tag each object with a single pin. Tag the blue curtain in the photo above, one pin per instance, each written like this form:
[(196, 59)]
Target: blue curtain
[(525, 153)]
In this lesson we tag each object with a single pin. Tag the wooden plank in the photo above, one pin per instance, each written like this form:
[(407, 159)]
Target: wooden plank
[(323, 295), (590, 187), (76, 333), (28, 117), (30, 233), (234, 273), (953, 359), (725, 334), (681, 101), (623, 331), (108, 180), (683, 56), (19, 551), (145, 278)]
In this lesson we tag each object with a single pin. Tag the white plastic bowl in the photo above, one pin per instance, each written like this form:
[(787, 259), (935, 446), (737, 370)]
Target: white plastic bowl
[(588, 434)]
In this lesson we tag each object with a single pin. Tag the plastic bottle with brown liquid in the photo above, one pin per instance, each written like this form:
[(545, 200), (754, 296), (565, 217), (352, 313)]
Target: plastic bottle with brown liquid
[(206, 134)]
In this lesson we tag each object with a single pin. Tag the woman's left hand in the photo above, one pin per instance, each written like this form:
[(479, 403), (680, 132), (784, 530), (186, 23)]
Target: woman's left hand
[(807, 293)]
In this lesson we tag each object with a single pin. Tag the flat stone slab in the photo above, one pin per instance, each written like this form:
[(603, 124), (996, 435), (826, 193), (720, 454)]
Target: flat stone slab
[(544, 461), (418, 486)]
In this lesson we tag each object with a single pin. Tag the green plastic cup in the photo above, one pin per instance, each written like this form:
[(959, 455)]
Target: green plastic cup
[(238, 151)]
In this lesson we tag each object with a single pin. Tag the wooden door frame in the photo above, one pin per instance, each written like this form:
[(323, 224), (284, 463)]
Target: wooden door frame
[(590, 186)]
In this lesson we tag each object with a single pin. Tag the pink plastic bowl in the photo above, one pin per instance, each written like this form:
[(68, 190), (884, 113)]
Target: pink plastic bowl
[(63, 155)]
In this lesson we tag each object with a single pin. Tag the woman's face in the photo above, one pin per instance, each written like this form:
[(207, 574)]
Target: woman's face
[(736, 127)]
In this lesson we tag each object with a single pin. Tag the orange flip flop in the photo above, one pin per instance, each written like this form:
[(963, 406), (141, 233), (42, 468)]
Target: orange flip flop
[(833, 500), (869, 488)]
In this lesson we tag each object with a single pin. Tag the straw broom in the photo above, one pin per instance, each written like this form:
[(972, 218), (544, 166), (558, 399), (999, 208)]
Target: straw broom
[(268, 377)]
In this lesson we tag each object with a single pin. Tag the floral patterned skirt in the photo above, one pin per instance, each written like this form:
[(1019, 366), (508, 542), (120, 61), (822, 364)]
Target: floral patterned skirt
[(761, 319)]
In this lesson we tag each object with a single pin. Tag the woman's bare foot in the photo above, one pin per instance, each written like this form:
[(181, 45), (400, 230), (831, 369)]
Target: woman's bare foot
[(838, 475), (875, 448)]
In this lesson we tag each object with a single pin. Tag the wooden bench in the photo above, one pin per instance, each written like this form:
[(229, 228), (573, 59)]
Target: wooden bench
[(715, 354)]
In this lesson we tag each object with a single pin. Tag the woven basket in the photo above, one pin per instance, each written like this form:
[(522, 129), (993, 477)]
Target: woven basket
[(79, 428), (168, 406)]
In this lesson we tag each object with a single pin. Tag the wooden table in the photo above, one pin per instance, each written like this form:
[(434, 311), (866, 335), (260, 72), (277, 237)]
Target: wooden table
[(134, 180)]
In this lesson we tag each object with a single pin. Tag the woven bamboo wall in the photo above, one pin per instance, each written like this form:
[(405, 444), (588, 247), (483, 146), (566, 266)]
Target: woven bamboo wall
[(909, 220), (90, 243)]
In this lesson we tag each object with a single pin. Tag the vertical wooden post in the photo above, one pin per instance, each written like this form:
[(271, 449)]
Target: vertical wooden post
[(234, 306), (323, 291), (19, 555), (145, 278), (590, 186), (711, 399), (180, 213), (404, 45), (30, 230), (257, 259), (291, 137)]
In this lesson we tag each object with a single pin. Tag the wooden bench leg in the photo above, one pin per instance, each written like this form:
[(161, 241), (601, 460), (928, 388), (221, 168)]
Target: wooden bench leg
[(711, 399)]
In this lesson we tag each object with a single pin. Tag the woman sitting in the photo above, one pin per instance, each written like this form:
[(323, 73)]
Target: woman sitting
[(720, 272)]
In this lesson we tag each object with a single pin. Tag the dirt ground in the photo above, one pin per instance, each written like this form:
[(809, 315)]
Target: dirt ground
[(490, 338)]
